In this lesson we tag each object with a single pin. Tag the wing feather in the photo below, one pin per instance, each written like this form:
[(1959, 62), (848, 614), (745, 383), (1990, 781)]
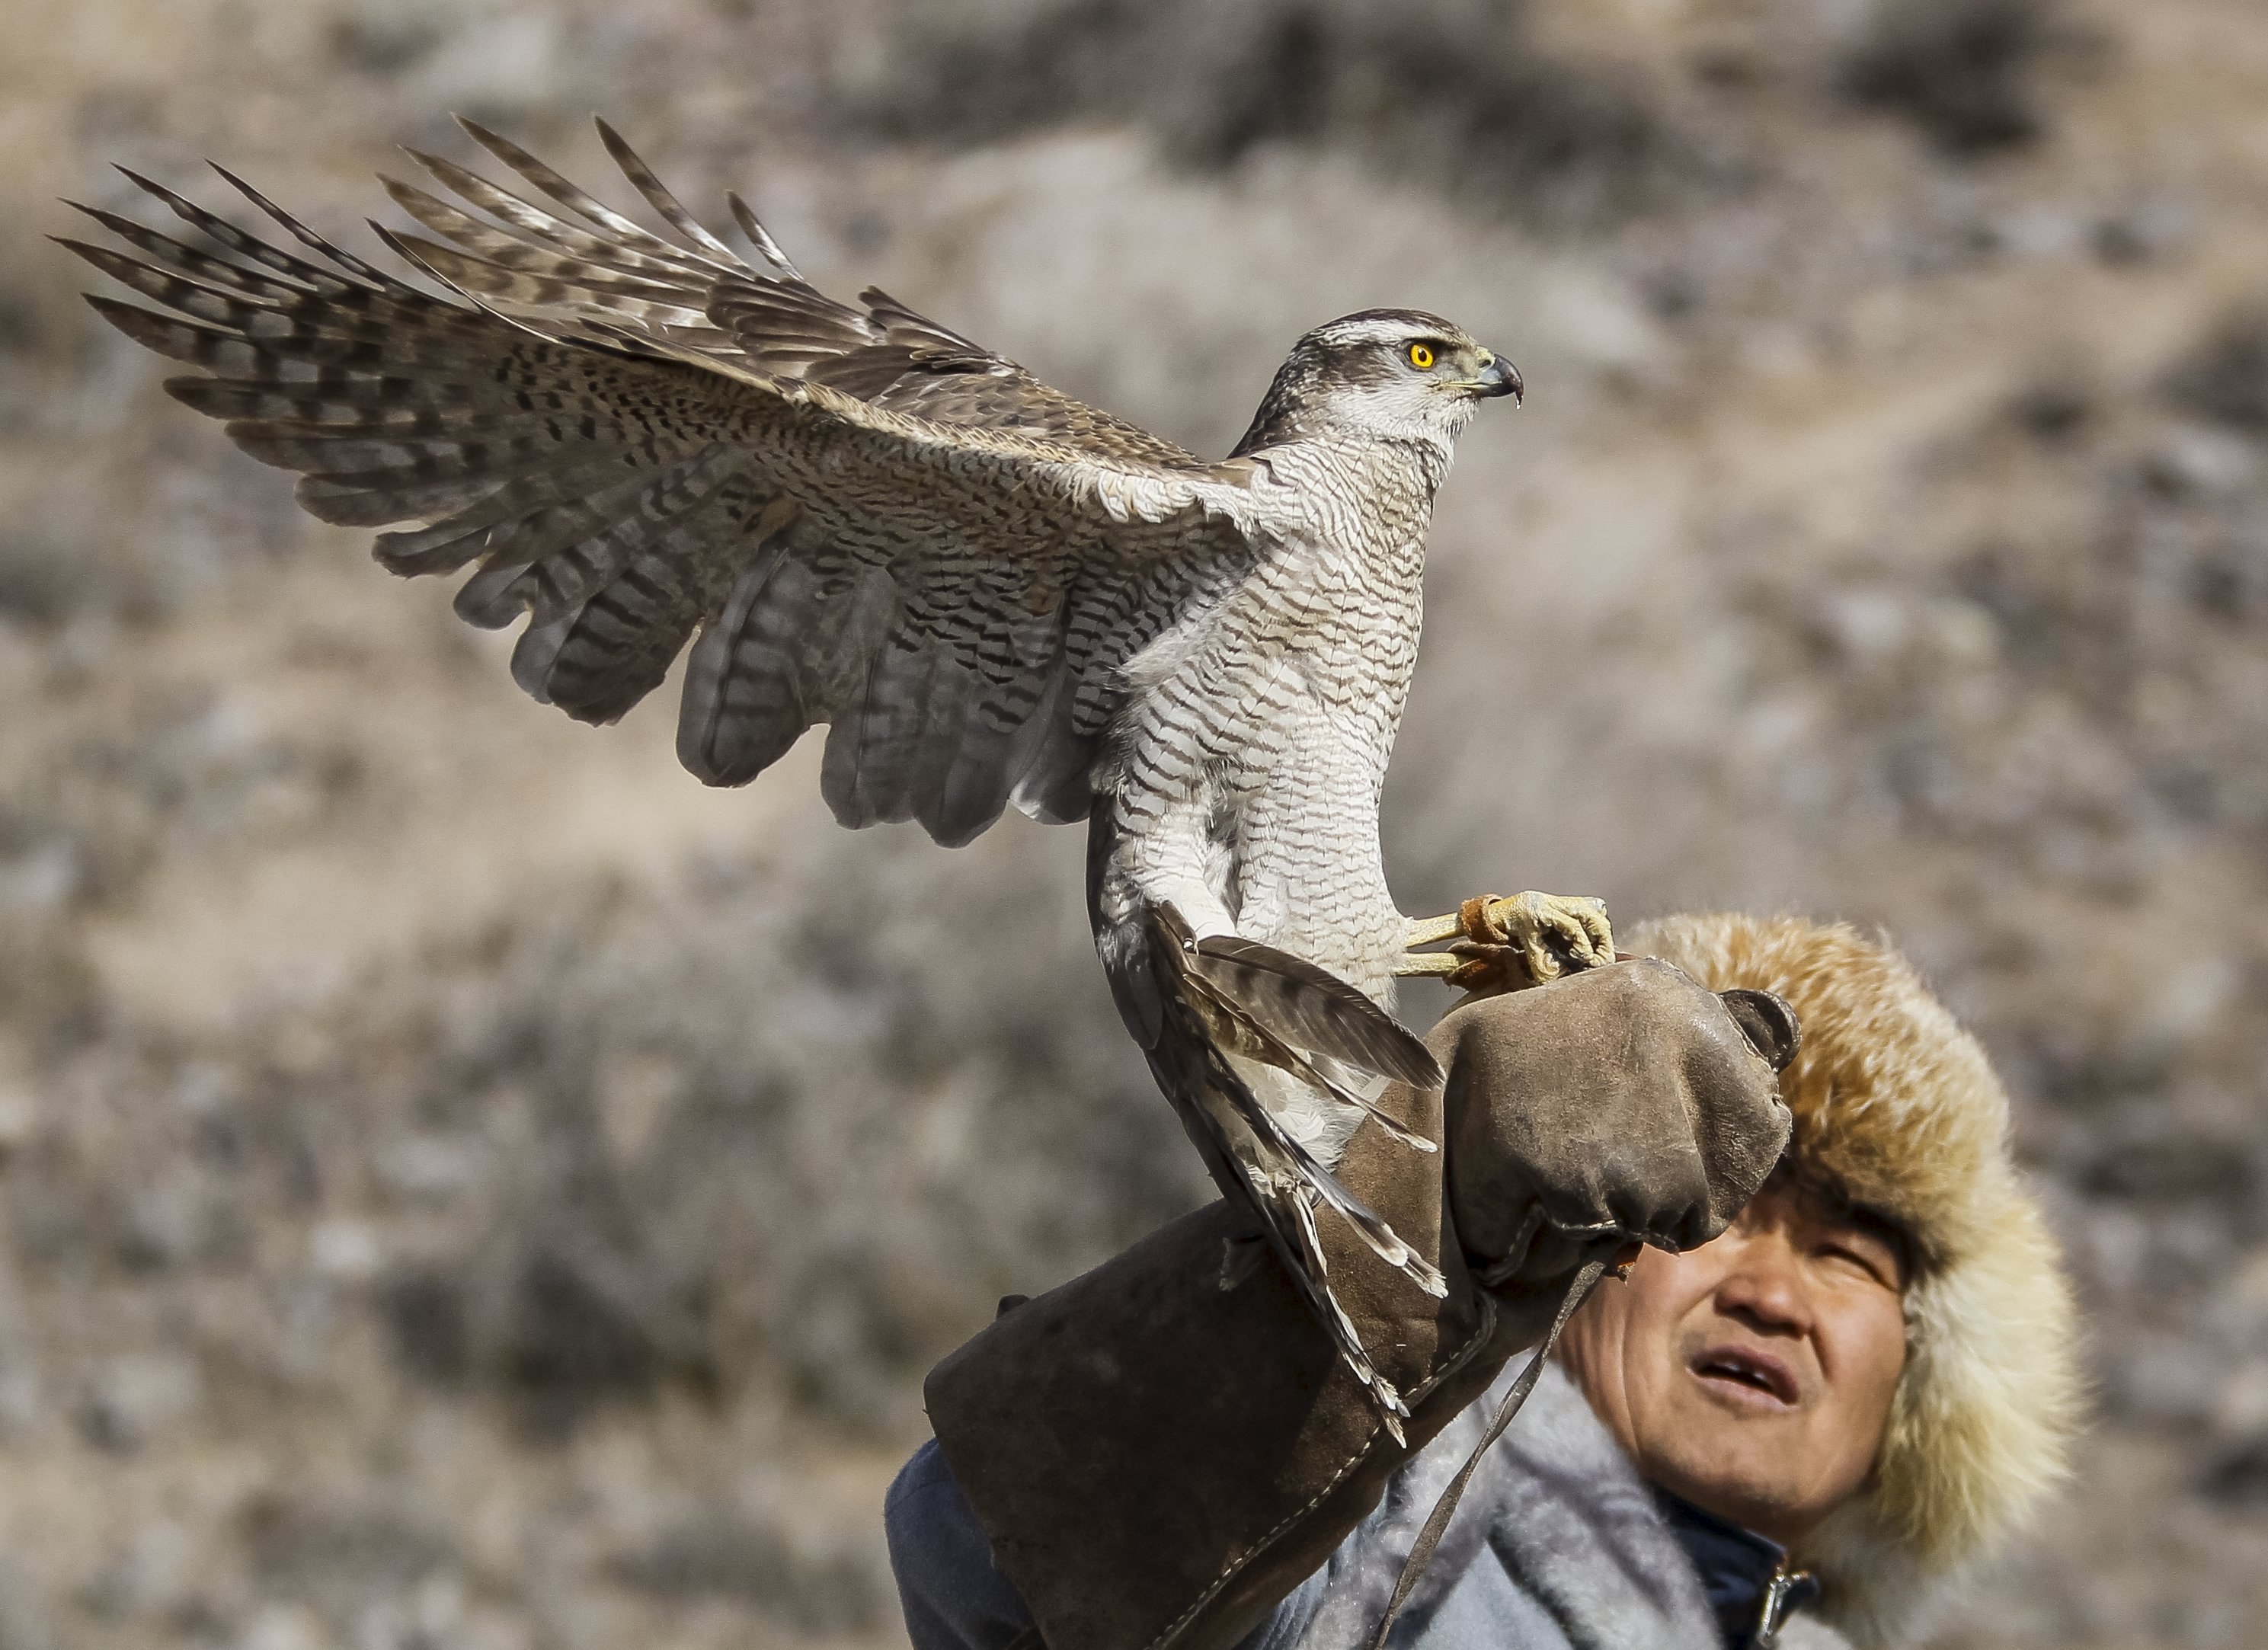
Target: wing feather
[(856, 516), (585, 256), (366, 276), (614, 645), (659, 198), (744, 702), (620, 229)]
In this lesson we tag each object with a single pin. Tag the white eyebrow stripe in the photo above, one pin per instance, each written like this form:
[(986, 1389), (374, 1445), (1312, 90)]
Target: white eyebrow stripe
[(1387, 332)]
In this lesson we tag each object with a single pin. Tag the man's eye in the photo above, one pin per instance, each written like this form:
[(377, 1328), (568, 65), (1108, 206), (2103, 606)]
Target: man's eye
[(1871, 1265), (1421, 356)]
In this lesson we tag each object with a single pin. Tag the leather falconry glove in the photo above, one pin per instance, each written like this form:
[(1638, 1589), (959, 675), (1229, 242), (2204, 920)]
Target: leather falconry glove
[(1161, 1449)]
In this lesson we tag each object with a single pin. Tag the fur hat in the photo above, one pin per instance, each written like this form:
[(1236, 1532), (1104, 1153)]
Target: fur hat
[(1896, 1105)]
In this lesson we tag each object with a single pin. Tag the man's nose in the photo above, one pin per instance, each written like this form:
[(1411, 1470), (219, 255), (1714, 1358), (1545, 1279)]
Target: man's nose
[(1764, 1286)]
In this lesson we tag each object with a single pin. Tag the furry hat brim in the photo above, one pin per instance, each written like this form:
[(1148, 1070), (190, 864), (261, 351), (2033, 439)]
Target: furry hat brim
[(1898, 1107)]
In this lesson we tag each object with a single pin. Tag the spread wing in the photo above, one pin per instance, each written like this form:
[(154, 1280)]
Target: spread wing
[(865, 519)]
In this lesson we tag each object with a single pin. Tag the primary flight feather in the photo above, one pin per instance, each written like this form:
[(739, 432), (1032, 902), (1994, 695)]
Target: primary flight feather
[(991, 594)]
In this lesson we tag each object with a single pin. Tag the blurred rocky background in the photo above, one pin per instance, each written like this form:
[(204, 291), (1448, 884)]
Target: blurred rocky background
[(465, 1187)]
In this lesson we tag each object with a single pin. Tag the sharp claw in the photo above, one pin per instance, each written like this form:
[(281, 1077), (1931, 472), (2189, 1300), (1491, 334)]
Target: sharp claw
[(1551, 935)]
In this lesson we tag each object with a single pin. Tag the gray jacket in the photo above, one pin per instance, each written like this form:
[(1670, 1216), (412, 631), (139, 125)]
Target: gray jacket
[(1558, 1545)]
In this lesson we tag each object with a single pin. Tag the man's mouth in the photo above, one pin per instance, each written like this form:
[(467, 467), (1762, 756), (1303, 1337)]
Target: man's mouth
[(1746, 1367)]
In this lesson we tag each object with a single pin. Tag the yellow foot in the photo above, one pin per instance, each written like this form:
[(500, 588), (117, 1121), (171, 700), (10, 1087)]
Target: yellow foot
[(1544, 934)]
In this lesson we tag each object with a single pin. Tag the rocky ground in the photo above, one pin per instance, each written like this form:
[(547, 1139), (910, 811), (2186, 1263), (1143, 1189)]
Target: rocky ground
[(464, 1185)]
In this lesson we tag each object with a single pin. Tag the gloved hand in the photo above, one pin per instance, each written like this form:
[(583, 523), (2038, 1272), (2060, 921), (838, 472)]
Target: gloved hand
[(1622, 1104), (1158, 1459)]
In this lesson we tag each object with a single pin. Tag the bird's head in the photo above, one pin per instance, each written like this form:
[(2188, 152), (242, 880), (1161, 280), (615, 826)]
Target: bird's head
[(1386, 374)]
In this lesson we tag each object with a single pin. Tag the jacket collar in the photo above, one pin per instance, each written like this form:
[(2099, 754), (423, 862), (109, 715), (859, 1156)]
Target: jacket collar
[(1751, 1588)]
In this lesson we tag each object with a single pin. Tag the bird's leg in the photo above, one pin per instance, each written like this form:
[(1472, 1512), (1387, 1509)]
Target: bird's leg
[(1547, 934)]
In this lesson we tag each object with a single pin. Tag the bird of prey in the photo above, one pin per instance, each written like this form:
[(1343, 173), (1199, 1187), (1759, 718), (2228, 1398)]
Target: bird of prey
[(992, 594)]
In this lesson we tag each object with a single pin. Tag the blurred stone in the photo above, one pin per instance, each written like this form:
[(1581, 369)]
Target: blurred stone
[(2238, 1477), (2188, 1169), (129, 1401), (569, 1347), (426, 1314), (727, 1556), (2151, 229), (349, 1250), (2053, 409), (286, 1627), (2241, 1408), (2225, 376), (1961, 70), (2198, 462)]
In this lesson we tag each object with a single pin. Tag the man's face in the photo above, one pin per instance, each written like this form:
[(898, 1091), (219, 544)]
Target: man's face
[(1753, 1375)]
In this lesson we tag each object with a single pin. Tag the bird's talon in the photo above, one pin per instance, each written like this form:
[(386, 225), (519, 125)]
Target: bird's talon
[(1554, 931), (1546, 935)]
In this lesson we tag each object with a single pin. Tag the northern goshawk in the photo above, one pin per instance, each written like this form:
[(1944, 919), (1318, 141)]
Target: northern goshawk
[(993, 593)]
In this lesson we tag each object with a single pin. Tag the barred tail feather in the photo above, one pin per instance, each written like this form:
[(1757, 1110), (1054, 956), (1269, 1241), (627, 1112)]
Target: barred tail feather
[(1313, 1009), (1392, 1409), (1286, 1183), (1379, 1237), (1255, 1162), (1200, 1040)]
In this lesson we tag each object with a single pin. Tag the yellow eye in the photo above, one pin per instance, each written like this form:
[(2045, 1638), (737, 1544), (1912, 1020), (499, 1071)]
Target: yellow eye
[(1421, 356)]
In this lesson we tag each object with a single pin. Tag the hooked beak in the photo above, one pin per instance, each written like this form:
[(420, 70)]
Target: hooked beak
[(1499, 377)]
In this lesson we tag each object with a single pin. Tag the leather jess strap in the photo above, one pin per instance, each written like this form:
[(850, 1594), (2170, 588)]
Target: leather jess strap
[(1437, 1521)]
